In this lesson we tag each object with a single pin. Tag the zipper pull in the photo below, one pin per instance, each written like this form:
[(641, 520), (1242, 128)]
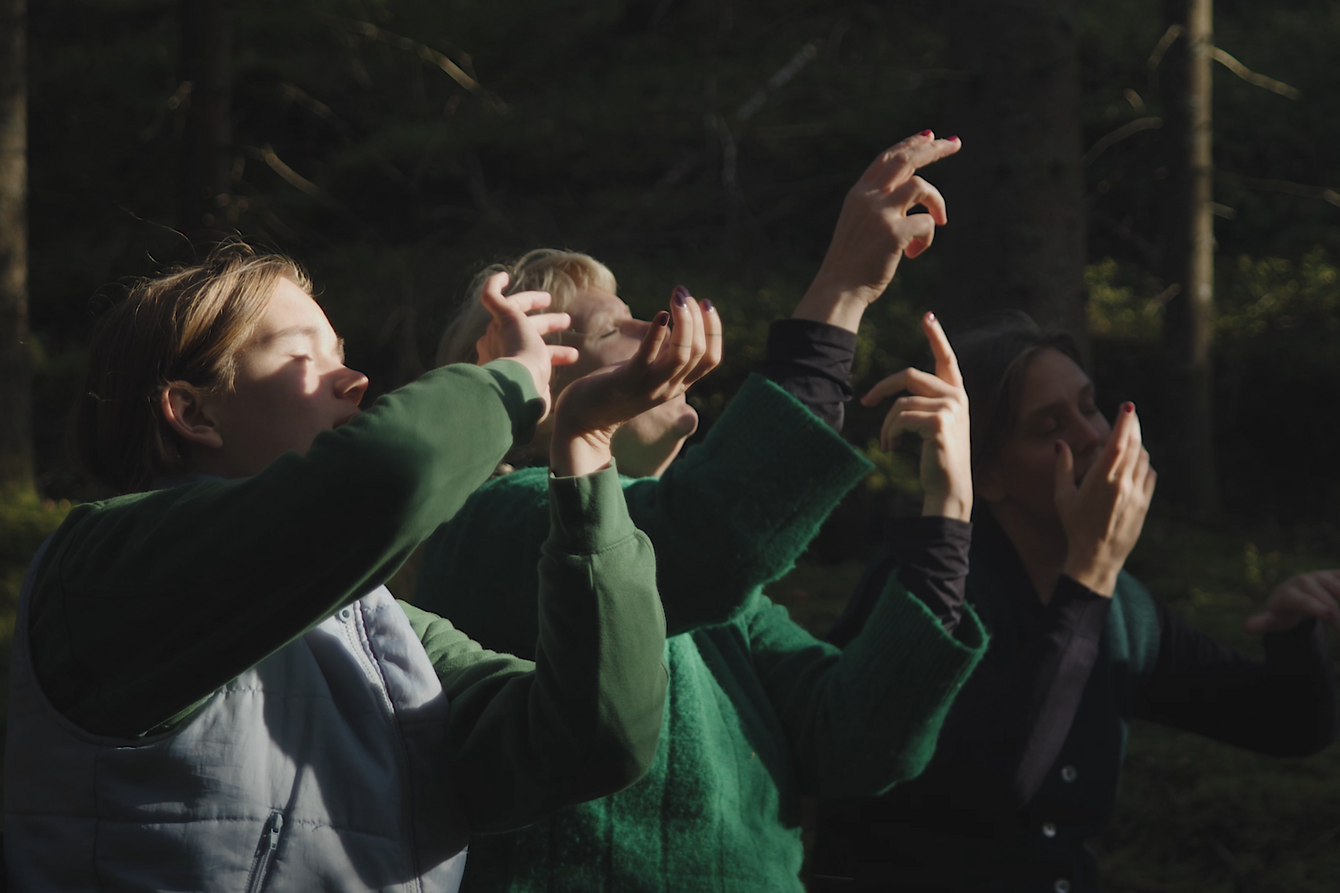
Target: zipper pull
[(276, 825)]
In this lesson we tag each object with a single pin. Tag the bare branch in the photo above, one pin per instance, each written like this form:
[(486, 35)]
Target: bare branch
[(1324, 193), (1161, 48), (427, 54), (1252, 77), (779, 80), (1126, 130), (289, 175)]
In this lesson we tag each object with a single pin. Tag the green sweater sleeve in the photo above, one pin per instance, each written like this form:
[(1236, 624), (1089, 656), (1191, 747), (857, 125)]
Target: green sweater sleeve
[(583, 721), (861, 720), (147, 603), (738, 509)]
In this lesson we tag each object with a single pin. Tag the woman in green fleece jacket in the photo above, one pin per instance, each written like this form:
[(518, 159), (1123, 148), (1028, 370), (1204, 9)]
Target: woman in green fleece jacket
[(759, 712), (212, 691)]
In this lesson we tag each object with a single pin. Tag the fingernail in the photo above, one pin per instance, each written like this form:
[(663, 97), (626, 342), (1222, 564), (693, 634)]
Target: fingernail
[(707, 305), (680, 293), (953, 139), (681, 300), (925, 133), (662, 319), (1128, 407), (930, 315)]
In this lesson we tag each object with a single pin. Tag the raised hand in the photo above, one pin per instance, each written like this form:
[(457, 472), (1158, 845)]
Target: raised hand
[(514, 335), (875, 230), (1315, 594), (937, 411), (681, 346), (1104, 514)]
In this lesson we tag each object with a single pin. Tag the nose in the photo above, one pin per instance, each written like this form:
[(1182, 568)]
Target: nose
[(351, 384), (1090, 433)]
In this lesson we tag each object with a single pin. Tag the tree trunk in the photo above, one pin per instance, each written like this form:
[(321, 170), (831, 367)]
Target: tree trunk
[(16, 423), (207, 149), (1016, 236), (1186, 83)]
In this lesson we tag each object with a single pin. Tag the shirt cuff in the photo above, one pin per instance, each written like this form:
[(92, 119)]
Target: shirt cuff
[(931, 557), (587, 513), (812, 361)]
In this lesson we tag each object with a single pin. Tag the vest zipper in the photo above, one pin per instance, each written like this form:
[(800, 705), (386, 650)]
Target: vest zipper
[(265, 852)]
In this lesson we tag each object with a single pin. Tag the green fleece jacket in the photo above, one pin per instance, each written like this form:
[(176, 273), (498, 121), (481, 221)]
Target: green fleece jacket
[(759, 712), (144, 605)]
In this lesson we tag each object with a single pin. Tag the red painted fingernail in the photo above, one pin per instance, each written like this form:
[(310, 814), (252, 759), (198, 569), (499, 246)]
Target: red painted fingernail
[(662, 319), (707, 305), (953, 139), (1128, 407), (924, 133)]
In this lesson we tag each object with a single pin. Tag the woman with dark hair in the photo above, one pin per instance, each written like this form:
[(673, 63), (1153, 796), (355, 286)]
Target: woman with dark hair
[(1027, 765)]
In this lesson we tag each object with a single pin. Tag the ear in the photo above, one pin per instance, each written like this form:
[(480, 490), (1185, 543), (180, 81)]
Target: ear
[(189, 416), (986, 485)]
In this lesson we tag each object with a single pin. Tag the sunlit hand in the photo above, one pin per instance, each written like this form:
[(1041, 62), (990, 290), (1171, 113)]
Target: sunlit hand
[(514, 335), (937, 411), (1103, 516), (875, 230), (667, 361), (1316, 594)]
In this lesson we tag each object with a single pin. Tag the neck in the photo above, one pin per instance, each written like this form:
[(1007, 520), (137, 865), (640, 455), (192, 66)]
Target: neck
[(1040, 543)]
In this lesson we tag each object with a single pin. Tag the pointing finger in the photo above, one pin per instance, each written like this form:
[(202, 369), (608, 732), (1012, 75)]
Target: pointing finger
[(946, 362)]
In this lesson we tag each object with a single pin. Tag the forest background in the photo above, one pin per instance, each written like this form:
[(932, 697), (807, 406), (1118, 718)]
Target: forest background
[(397, 146)]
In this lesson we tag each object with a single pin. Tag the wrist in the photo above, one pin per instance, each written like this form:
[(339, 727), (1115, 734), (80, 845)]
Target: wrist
[(836, 304), (1093, 573), (948, 505), (580, 453)]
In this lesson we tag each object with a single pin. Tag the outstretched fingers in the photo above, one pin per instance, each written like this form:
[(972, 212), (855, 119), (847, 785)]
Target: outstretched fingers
[(898, 162)]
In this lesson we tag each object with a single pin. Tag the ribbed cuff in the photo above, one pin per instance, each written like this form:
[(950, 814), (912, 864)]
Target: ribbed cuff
[(587, 513)]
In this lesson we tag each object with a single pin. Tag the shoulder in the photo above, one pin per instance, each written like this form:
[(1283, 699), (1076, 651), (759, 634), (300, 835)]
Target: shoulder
[(1133, 623)]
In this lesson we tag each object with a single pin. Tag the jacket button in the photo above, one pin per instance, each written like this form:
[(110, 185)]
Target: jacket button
[(345, 614), (1048, 829), (1069, 774)]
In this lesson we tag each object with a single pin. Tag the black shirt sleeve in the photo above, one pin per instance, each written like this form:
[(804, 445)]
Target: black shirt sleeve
[(1284, 706), (812, 362), (930, 556)]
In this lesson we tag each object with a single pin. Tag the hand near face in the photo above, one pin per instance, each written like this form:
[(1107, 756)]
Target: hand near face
[(514, 335), (679, 347), (1104, 514), (875, 230), (936, 411), (1315, 594)]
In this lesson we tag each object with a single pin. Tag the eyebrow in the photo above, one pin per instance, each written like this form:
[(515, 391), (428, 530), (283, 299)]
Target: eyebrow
[(1055, 405), (311, 332)]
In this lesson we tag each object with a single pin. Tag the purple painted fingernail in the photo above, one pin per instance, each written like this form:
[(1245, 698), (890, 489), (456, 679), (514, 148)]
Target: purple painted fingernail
[(707, 305), (681, 299), (680, 293), (662, 319)]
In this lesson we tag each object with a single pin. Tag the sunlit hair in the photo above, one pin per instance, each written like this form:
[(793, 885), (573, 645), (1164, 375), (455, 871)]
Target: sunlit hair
[(561, 273), (183, 328), (993, 354)]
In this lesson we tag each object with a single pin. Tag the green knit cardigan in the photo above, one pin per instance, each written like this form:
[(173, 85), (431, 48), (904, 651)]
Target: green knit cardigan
[(758, 711)]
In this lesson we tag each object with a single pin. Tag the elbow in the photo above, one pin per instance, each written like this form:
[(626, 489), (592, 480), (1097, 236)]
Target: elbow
[(625, 749)]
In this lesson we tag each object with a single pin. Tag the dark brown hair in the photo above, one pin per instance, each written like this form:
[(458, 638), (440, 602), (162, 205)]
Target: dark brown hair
[(993, 354), (185, 328)]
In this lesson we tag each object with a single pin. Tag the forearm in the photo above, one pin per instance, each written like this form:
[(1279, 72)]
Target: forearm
[(1284, 706), (811, 361), (586, 722), (168, 595), (868, 717), (738, 509)]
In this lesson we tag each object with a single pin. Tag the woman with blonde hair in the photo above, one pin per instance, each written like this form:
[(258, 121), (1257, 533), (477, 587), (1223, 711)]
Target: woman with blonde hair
[(212, 689), (759, 712)]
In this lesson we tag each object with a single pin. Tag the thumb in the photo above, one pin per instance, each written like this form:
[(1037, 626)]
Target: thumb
[(1065, 474)]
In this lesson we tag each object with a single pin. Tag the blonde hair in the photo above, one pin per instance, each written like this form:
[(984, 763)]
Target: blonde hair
[(561, 273), (182, 328)]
